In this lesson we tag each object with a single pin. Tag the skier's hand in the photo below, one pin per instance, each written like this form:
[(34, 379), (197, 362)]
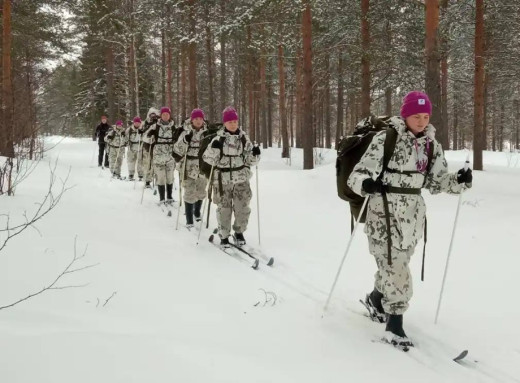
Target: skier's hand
[(464, 176), (256, 150), (188, 137), (370, 186), (216, 144)]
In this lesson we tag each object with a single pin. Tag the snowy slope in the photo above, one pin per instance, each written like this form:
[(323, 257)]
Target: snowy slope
[(190, 313)]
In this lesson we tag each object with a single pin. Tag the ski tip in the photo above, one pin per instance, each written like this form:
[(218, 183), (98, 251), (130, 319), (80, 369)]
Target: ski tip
[(271, 262), (461, 356), (169, 214), (255, 265), (211, 238)]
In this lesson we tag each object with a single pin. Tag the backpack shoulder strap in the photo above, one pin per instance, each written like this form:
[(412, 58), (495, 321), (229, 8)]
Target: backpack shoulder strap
[(390, 140), (430, 156)]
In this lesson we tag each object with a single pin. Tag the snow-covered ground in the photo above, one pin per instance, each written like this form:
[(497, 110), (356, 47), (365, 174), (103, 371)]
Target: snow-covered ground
[(187, 313)]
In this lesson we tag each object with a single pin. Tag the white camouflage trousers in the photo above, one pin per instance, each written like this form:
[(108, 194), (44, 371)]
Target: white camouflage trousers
[(194, 189), (393, 281), (234, 199), (133, 159), (115, 159), (164, 173)]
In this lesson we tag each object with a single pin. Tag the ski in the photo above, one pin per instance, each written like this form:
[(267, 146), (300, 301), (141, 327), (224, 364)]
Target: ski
[(372, 313), (461, 356), (269, 261), (165, 208), (234, 251), (406, 348)]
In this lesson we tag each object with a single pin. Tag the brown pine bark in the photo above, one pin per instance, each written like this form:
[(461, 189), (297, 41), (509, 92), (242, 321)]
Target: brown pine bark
[(192, 68), (328, 138), (251, 88), (298, 95), (339, 107), (365, 59), (211, 75), (183, 80), (170, 77), (7, 126), (516, 106), (478, 96), (308, 155), (110, 68), (444, 79), (163, 67), (433, 70), (281, 103), (263, 98), (223, 79)]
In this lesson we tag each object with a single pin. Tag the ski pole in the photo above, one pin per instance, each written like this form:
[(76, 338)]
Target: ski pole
[(210, 198), (466, 167), (345, 255), (181, 185), (208, 185), (257, 205), (147, 172)]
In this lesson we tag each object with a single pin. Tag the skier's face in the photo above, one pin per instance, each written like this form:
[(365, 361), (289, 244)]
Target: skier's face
[(165, 116), (232, 126), (418, 122), (104, 120), (197, 122), (137, 124)]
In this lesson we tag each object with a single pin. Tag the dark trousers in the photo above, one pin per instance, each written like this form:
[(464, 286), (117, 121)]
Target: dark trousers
[(100, 156)]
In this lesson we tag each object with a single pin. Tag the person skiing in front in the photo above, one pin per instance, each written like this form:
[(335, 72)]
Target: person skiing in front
[(134, 149), (193, 182), (231, 153), (146, 151), (395, 197), (117, 141), (100, 133), (161, 136)]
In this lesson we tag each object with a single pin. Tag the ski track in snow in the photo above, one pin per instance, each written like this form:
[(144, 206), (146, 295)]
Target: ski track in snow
[(189, 313)]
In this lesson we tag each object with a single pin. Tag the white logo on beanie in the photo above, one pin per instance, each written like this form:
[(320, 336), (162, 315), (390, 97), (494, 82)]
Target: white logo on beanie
[(422, 101)]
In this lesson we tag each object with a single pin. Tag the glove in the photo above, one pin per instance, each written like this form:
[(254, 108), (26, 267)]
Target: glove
[(370, 186), (464, 176), (256, 150), (216, 144), (188, 137)]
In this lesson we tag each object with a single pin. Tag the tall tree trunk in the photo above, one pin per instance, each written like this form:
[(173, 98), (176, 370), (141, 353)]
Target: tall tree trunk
[(136, 77), (501, 127), (193, 59), (388, 101), (269, 108), (131, 79), (263, 97), (163, 67), (339, 107), (365, 59), (110, 68), (170, 77), (328, 138), (433, 75), (251, 87), (291, 121), (479, 86), (281, 103), (444, 79), (7, 126), (298, 85), (455, 121), (183, 80), (211, 75), (223, 92), (308, 159)]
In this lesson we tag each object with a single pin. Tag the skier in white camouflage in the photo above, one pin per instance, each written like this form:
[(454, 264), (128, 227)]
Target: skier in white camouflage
[(146, 147), (395, 197), (193, 182), (133, 158), (231, 153), (117, 140), (161, 135)]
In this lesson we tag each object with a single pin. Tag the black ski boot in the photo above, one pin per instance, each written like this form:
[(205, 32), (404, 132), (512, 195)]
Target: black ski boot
[(196, 210), (239, 239), (224, 243), (131, 177), (161, 189), (188, 207), (140, 178), (394, 333), (147, 185), (375, 307)]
